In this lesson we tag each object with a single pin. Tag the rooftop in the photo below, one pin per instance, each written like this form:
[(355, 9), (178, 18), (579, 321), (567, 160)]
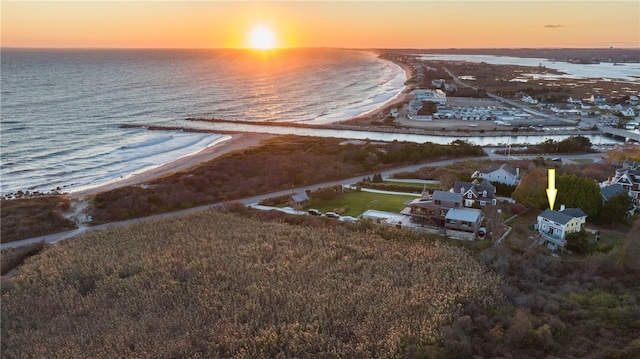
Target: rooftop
[(463, 214)]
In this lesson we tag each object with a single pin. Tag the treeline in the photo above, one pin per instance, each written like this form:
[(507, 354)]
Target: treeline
[(553, 308), (572, 144), (574, 191), (275, 165)]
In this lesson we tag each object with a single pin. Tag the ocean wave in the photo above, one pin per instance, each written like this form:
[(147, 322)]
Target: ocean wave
[(150, 142), (71, 104)]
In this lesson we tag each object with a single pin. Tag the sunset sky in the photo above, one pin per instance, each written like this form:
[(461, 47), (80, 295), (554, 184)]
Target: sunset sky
[(355, 24)]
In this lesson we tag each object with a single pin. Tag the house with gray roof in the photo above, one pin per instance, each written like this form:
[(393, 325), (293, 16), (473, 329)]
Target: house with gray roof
[(611, 191), (432, 209), (554, 226), (629, 179), (476, 192), (504, 173), (298, 201), (463, 219)]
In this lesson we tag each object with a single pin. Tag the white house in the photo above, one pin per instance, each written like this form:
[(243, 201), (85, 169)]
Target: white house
[(554, 226), (502, 174), (437, 96), (529, 99), (597, 99), (573, 101), (628, 112), (629, 179), (437, 83)]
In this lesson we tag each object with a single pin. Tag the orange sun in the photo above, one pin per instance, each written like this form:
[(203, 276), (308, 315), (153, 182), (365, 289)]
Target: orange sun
[(262, 38)]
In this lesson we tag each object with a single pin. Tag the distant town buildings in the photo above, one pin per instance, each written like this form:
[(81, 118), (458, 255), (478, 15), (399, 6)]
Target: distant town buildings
[(437, 96)]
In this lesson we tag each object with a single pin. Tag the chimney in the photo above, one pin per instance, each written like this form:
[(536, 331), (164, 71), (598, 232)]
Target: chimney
[(518, 172), (561, 207)]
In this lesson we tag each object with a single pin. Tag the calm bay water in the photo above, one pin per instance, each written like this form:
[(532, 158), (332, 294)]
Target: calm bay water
[(62, 109), (623, 72)]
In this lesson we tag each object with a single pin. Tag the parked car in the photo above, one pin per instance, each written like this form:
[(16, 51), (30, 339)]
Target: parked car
[(332, 215), (315, 212)]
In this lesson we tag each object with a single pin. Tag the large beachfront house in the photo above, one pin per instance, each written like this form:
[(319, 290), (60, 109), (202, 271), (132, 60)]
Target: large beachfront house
[(432, 210), (554, 226), (476, 192), (503, 174), (444, 210)]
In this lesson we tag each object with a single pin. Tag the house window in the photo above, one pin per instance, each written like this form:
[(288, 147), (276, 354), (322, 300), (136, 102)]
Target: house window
[(469, 195), (443, 212), (438, 202), (484, 193)]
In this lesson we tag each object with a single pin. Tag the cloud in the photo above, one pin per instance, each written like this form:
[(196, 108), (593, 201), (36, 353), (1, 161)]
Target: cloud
[(553, 26)]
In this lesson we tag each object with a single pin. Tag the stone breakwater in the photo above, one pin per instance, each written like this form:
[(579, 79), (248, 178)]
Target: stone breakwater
[(460, 131)]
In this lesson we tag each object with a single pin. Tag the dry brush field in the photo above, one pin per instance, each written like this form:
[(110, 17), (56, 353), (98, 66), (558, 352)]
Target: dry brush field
[(217, 284)]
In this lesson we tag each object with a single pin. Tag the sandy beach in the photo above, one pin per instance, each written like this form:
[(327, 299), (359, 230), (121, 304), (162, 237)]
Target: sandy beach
[(236, 141)]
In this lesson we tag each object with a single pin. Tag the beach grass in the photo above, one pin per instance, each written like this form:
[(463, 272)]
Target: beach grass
[(216, 284)]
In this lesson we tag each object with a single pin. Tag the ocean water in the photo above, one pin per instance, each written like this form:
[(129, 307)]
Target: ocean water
[(61, 110)]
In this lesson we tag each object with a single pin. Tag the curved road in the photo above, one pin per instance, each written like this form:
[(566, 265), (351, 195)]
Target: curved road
[(56, 237)]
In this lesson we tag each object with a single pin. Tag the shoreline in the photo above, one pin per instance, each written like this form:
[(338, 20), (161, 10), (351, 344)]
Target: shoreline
[(236, 141)]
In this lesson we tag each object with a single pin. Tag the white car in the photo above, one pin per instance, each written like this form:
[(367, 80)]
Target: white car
[(332, 215)]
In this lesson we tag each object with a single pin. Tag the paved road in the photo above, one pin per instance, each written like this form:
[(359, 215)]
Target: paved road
[(56, 237)]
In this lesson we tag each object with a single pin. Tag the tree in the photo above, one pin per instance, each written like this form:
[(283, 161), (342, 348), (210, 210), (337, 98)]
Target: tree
[(531, 190), (622, 153), (579, 192), (577, 242), (616, 209)]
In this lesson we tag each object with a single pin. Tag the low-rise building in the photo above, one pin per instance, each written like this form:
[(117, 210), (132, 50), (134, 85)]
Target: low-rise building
[(554, 226), (528, 99), (597, 99), (437, 96), (504, 173), (298, 201), (463, 219)]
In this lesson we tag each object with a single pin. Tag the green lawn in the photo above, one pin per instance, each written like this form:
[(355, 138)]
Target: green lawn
[(358, 202)]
